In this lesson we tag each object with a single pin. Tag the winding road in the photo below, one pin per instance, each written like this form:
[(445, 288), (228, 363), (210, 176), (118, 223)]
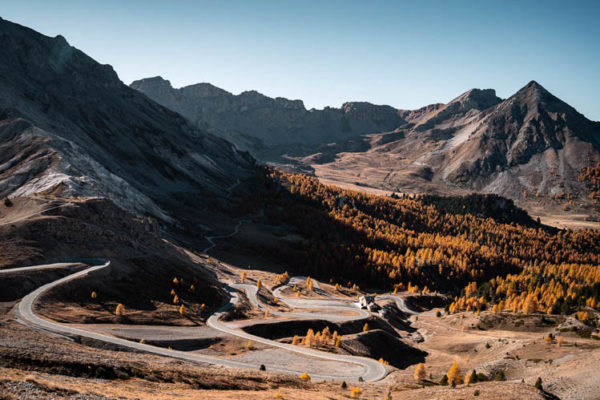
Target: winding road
[(27, 316), (211, 239), (340, 310), (333, 304), (371, 370)]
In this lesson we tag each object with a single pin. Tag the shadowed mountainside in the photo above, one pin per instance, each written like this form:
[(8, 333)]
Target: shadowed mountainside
[(250, 115), (68, 125)]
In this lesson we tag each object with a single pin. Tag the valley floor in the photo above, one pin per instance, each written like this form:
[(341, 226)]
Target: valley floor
[(38, 364), (351, 172)]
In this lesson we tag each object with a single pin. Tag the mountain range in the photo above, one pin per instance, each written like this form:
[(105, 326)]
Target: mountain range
[(272, 121), (531, 142), (69, 126)]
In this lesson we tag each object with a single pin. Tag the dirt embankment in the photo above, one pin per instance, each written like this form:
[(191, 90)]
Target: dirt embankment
[(379, 344), (16, 285), (286, 329)]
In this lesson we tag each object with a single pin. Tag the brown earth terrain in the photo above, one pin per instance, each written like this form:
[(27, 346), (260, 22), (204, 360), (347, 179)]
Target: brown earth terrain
[(487, 343)]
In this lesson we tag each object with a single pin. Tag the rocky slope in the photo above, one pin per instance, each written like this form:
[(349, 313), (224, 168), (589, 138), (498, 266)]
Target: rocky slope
[(531, 141), (69, 125), (529, 147), (251, 115)]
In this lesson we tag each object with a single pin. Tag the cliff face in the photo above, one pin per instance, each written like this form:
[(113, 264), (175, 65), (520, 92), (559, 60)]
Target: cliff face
[(273, 121), (68, 124)]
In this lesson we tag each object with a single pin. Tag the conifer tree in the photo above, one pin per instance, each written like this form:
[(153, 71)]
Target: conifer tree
[(454, 374), (420, 372)]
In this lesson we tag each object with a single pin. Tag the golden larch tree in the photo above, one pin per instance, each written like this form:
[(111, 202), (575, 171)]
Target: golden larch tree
[(304, 376), (454, 374), (420, 372), (355, 392)]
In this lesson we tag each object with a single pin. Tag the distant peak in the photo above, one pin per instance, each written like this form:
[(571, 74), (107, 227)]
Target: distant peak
[(204, 89), (477, 93), (60, 38), (153, 81), (157, 78), (477, 98), (533, 86), (252, 93), (533, 93)]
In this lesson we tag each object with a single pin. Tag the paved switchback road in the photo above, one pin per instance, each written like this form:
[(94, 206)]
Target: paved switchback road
[(372, 370)]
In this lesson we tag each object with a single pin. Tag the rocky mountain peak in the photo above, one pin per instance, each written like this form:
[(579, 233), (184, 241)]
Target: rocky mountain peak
[(157, 81), (204, 89), (533, 85), (290, 104), (155, 85), (43, 57), (479, 99), (363, 110), (533, 102), (533, 93)]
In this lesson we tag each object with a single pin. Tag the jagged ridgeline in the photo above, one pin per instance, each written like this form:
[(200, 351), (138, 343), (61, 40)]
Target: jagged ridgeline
[(270, 121)]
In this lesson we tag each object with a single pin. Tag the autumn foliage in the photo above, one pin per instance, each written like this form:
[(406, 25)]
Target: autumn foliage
[(591, 176), (323, 338), (120, 309), (454, 374), (481, 248), (355, 392), (420, 372), (304, 376)]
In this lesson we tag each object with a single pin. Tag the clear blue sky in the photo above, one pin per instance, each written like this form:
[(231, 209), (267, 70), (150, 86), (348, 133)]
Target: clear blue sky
[(406, 54)]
